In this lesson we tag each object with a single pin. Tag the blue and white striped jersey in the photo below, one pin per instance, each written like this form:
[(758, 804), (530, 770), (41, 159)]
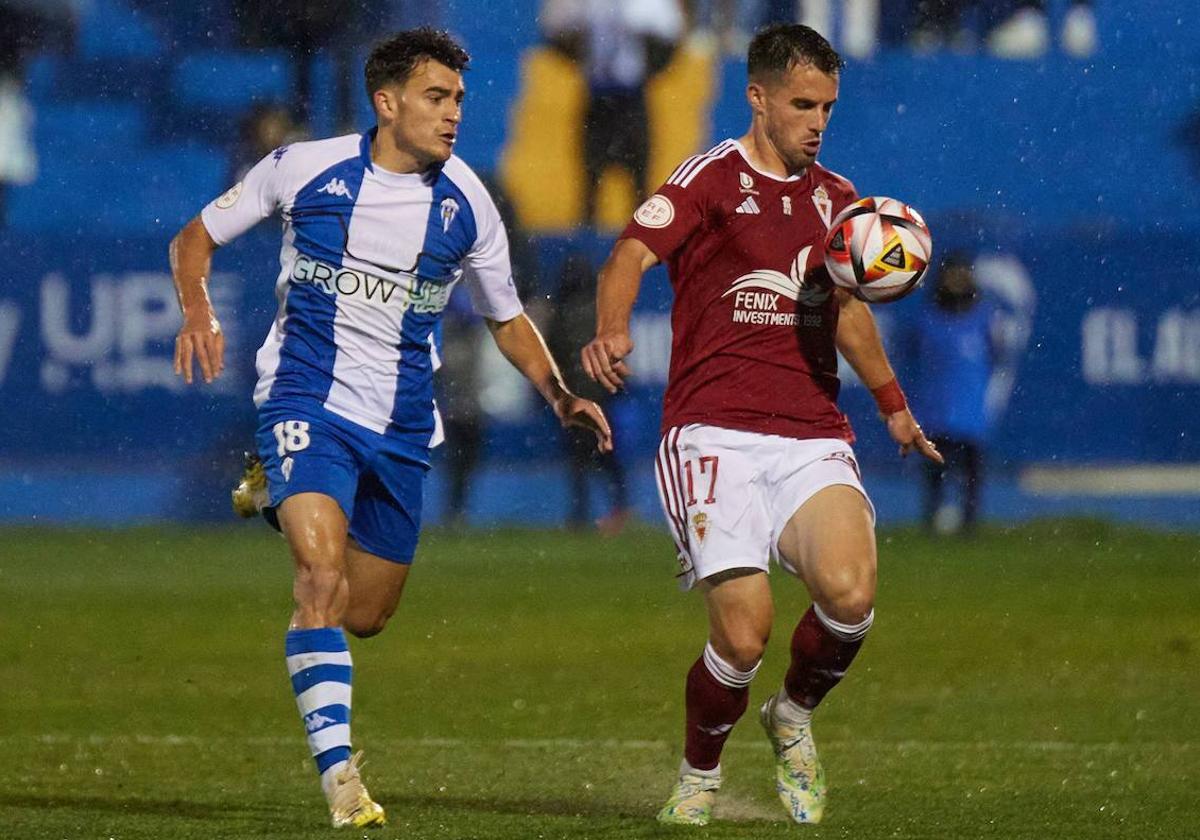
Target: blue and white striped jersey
[(368, 262)]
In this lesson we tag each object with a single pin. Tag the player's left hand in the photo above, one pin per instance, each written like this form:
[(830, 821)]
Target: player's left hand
[(585, 414), (200, 338), (905, 430)]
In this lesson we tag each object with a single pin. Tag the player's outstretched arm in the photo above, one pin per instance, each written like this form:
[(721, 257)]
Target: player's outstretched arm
[(200, 336), (859, 342), (522, 344), (616, 290)]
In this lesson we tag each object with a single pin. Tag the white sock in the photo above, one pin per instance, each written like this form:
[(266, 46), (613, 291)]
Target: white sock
[(686, 769), (329, 776), (789, 711)]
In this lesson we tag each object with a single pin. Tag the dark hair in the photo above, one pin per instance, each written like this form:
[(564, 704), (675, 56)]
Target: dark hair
[(393, 61), (778, 48)]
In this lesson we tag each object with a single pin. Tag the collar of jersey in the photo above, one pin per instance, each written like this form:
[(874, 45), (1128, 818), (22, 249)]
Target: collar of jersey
[(386, 176), (742, 151)]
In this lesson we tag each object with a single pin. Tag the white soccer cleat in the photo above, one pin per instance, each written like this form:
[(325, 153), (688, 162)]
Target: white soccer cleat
[(350, 806), (691, 800), (799, 776)]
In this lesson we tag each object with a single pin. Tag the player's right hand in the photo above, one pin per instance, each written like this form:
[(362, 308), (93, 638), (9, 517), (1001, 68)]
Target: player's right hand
[(200, 337), (604, 359)]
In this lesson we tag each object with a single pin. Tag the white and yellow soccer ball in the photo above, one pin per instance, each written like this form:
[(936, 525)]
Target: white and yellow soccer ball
[(878, 248)]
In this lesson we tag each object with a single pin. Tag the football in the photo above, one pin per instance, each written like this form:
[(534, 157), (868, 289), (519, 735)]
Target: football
[(878, 248)]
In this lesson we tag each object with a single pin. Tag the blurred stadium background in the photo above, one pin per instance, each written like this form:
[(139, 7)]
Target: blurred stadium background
[(1072, 180), (1038, 681)]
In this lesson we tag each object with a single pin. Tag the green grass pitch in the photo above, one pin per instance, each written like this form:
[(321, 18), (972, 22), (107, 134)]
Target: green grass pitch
[(1038, 682)]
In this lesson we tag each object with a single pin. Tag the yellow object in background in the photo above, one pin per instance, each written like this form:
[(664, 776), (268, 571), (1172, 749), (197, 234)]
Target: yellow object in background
[(541, 167)]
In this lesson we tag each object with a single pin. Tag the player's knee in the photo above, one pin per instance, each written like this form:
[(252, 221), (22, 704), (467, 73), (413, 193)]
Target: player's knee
[(851, 606), (364, 623), (847, 629), (743, 652)]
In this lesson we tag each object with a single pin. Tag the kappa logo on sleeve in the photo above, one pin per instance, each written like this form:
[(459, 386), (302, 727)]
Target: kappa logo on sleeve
[(657, 211)]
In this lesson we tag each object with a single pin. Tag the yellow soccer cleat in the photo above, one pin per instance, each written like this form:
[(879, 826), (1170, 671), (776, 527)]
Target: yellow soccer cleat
[(350, 806), (250, 496), (691, 801), (799, 776)]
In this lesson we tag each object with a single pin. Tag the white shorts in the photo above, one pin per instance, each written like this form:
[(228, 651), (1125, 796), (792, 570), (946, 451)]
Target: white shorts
[(727, 494)]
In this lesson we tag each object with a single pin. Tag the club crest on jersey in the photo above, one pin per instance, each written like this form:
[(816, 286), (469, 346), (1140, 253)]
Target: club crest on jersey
[(449, 211), (337, 186), (746, 183), (700, 525), (824, 205)]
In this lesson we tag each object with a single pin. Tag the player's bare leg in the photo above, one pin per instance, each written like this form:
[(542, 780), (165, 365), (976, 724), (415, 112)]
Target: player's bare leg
[(318, 656), (375, 588), (740, 613), (830, 543)]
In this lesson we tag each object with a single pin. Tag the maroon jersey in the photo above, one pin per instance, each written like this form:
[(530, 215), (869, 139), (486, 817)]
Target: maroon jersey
[(754, 317)]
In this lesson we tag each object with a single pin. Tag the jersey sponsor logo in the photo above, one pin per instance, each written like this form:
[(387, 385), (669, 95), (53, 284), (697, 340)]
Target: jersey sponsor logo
[(406, 291), (757, 294), (823, 204), (337, 186), (229, 197), (657, 211), (449, 210), (749, 207)]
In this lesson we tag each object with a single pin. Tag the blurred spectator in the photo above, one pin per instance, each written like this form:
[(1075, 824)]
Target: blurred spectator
[(1016, 29), (851, 25), (937, 24), (955, 353), (620, 46), (1026, 32), (458, 389), (460, 381), (572, 326), (1188, 136), (303, 28), (264, 128), (26, 26)]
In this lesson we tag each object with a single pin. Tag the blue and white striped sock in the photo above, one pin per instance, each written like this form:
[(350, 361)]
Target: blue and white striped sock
[(318, 661)]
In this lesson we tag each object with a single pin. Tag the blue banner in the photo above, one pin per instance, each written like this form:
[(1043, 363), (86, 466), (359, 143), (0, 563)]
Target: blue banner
[(1103, 331)]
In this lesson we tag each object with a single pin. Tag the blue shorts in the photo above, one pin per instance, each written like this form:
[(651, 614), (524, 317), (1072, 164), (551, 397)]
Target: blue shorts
[(308, 449)]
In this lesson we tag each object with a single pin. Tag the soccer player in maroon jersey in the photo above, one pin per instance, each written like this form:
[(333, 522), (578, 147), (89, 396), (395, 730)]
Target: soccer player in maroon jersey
[(755, 459)]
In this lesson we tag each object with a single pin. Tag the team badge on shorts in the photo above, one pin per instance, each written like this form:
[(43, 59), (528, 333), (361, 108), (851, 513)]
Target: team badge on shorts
[(700, 525)]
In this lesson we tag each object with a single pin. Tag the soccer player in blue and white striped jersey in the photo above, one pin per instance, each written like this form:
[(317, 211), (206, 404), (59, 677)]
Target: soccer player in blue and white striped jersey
[(377, 229)]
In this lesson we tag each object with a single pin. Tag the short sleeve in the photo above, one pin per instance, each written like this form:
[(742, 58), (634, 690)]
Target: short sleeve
[(246, 203), (666, 219), (488, 269)]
